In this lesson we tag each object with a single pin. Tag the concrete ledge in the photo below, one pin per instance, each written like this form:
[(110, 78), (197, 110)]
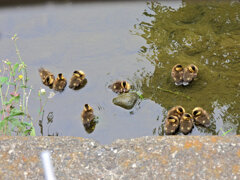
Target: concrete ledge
[(168, 157)]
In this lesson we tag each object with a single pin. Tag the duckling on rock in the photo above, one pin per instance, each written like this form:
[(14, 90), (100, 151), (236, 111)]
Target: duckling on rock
[(47, 77), (186, 123), (78, 80), (189, 74), (120, 87), (87, 115), (59, 83), (171, 125), (176, 111), (200, 116), (177, 74)]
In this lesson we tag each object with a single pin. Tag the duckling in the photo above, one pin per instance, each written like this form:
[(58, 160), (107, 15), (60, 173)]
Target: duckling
[(189, 74), (200, 116), (47, 77), (171, 125), (90, 127), (186, 123), (120, 87), (176, 111), (177, 74), (78, 80), (87, 115), (59, 83)]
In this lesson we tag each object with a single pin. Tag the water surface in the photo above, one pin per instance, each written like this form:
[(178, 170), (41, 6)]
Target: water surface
[(138, 42)]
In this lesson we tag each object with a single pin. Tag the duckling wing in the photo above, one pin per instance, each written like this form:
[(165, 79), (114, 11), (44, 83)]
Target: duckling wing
[(177, 77)]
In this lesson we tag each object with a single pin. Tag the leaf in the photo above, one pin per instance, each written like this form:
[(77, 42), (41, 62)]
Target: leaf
[(10, 83), (14, 98), (23, 86), (15, 67), (8, 63), (16, 112), (3, 80), (33, 132)]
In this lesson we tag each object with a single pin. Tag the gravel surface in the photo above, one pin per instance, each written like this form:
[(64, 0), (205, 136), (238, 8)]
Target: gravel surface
[(168, 157)]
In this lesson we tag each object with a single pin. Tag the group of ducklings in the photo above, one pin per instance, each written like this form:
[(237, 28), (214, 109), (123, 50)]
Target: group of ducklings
[(58, 84), (177, 118), (77, 81), (183, 76)]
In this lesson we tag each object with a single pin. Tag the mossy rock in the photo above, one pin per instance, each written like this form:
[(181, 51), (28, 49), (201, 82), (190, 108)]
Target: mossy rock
[(126, 100)]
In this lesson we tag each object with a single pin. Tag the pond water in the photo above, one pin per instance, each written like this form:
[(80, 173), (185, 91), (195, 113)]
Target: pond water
[(135, 41)]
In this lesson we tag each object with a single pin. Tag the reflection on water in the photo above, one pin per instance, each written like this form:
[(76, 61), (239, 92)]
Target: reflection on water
[(203, 33)]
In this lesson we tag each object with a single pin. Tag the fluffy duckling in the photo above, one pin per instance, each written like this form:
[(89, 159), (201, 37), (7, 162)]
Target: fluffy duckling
[(189, 74), (90, 127), (171, 125), (120, 87), (186, 123), (59, 83), (47, 77), (176, 111), (78, 80), (177, 74), (200, 116), (87, 116)]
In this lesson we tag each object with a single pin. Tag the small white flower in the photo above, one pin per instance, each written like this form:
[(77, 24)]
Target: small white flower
[(42, 91), (51, 95)]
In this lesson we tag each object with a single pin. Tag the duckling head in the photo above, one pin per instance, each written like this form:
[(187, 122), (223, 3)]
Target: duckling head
[(172, 119), (87, 107), (197, 111), (79, 74), (187, 116), (178, 67), (60, 76), (125, 85), (180, 110), (192, 68), (49, 80)]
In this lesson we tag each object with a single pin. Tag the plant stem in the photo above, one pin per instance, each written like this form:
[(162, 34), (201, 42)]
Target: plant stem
[(176, 93), (8, 87), (23, 72), (2, 101)]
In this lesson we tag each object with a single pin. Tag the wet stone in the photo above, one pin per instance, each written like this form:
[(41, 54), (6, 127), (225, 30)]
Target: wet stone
[(126, 100)]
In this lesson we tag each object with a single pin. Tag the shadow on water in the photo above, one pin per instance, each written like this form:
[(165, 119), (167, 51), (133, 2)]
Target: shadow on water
[(206, 34)]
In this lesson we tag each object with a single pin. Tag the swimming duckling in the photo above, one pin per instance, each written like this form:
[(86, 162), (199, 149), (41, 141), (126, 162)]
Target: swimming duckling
[(87, 115), (171, 125), (47, 77), (189, 74), (200, 116), (176, 111), (78, 80), (59, 83), (177, 74), (186, 123), (120, 87)]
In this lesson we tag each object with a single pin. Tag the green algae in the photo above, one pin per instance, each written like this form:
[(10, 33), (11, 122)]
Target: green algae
[(206, 34)]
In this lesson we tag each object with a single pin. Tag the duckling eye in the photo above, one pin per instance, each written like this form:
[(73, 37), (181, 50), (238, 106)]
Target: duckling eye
[(187, 115), (193, 68), (124, 84), (180, 110), (195, 112), (47, 79), (179, 66)]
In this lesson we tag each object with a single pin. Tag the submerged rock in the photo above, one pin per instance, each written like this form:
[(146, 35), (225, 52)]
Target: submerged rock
[(126, 100)]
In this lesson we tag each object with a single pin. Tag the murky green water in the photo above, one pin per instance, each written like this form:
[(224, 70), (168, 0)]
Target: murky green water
[(96, 39), (204, 34)]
